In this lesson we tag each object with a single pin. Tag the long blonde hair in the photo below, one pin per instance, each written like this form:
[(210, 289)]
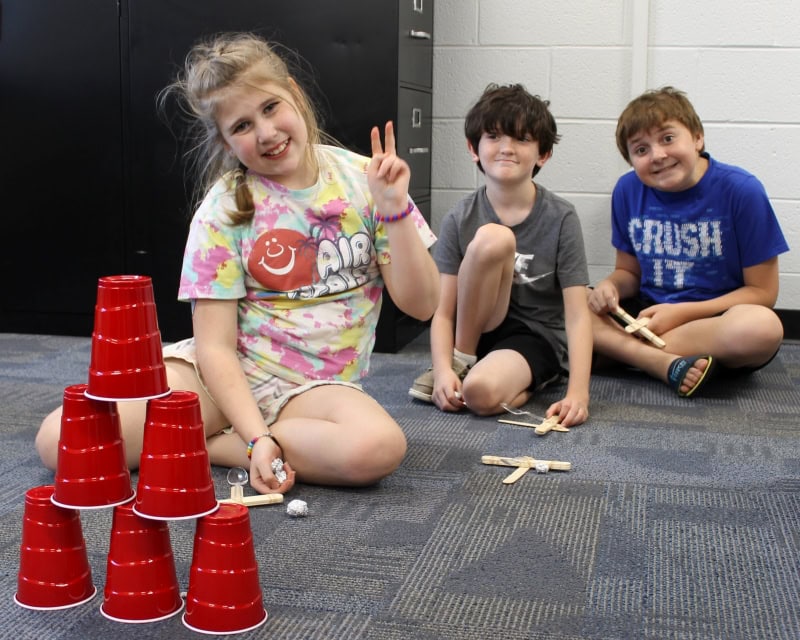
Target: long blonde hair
[(211, 67)]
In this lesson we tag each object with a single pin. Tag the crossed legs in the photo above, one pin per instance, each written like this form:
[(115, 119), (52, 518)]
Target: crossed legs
[(330, 434), (744, 336)]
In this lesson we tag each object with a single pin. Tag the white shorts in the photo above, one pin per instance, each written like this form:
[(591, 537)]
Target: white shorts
[(270, 392)]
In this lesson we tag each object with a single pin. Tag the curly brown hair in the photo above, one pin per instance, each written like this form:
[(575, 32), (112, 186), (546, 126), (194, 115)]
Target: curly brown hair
[(511, 110)]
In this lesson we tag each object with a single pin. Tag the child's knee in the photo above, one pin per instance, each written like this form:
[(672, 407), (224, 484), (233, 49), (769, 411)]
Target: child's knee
[(372, 458), (763, 326), (754, 336), (491, 241), (481, 397), (771, 334), (47, 437)]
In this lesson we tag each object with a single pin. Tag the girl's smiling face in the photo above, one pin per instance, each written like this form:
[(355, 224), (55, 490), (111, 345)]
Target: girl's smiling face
[(667, 157), (262, 126)]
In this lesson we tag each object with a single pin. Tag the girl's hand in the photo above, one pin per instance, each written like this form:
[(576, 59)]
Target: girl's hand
[(262, 478), (387, 174)]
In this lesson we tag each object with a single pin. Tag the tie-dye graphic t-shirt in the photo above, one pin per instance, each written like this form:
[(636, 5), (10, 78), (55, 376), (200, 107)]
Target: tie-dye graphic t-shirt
[(304, 270)]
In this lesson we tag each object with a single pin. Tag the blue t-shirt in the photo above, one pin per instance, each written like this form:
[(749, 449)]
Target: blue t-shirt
[(694, 244)]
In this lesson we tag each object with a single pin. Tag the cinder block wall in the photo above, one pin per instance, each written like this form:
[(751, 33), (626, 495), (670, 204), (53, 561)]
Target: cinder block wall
[(736, 59)]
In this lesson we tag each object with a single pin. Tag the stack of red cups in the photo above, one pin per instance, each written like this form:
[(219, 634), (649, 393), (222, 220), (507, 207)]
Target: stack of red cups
[(175, 483)]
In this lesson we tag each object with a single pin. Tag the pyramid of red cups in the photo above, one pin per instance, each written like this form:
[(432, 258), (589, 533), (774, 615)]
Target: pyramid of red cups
[(224, 595)]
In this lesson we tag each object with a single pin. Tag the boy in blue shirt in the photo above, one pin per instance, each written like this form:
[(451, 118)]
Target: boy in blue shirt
[(697, 252)]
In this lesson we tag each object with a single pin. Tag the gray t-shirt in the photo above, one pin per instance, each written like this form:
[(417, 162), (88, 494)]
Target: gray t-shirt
[(550, 256)]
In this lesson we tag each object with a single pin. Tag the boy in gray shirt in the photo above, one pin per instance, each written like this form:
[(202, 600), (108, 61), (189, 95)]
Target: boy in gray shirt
[(513, 311)]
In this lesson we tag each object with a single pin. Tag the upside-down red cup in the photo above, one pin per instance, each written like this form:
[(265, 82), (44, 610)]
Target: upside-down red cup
[(54, 571), (174, 470), (141, 583), (224, 594), (127, 362), (91, 471)]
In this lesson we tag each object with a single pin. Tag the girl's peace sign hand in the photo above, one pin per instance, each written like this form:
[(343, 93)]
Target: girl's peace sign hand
[(388, 175)]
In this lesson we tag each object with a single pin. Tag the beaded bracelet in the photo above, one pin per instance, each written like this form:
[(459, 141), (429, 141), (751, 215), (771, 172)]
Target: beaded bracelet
[(252, 443), (398, 216)]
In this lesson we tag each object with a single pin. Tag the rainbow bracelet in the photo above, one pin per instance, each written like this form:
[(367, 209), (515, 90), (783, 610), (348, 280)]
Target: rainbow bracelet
[(252, 443), (398, 216)]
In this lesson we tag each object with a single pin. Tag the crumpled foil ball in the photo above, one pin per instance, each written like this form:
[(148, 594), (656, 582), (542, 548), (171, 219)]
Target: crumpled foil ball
[(297, 508)]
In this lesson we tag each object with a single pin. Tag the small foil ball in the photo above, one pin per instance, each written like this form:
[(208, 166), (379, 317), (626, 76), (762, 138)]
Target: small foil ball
[(297, 509), (277, 469)]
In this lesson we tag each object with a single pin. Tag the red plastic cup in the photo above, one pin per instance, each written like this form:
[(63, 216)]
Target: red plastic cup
[(127, 362), (174, 470), (224, 593), (54, 570), (141, 583), (91, 471)]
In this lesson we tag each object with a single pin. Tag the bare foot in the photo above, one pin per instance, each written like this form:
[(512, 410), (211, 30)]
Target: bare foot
[(694, 375)]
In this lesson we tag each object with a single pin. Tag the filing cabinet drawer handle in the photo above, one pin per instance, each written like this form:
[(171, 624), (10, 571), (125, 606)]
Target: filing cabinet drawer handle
[(418, 6), (416, 150), (420, 35)]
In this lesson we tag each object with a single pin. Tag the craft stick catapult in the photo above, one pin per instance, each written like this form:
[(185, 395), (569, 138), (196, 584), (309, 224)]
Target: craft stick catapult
[(237, 478), (540, 429), (545, 425), (238, 497), (525, 464), (639, 327)]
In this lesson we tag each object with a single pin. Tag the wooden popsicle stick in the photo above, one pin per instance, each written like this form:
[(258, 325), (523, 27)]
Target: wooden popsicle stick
[(652, 337), (503, 461), (255, 501), (518, 423), (637, 325), (640, 327), (516, 475), (550, 424), (267, 498), (623, 315), (525, 461)]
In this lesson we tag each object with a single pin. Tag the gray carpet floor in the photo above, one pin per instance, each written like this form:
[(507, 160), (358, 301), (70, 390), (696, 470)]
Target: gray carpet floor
[(680, 519)]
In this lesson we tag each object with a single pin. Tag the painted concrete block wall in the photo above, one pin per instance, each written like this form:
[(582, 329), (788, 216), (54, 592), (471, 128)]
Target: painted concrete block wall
[(736, 59)]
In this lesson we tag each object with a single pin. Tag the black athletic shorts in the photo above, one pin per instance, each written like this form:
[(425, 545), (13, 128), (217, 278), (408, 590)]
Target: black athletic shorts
[(537, 350)]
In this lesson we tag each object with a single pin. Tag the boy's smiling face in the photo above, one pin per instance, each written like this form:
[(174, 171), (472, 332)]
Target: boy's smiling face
[(667, 157), (507, 159)]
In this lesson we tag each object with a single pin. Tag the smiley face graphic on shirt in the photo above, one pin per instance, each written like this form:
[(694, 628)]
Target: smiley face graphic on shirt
[(287, 261), (282, 260)]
